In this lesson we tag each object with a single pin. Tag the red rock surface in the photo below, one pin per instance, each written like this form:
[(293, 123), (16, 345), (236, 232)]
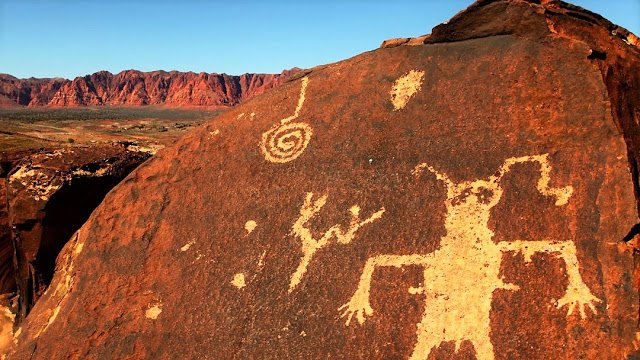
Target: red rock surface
[(465, 198), (133, 88)]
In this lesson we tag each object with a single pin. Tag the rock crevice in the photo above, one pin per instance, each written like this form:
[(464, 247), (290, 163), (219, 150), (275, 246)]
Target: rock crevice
[(46, 197)]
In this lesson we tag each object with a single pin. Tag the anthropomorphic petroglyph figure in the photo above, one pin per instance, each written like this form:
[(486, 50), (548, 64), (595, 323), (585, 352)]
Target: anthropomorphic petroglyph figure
[(460, 277), (310, 245)]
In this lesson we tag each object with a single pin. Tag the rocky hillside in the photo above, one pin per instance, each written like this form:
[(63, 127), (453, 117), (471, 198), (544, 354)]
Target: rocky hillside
[(134, 88)]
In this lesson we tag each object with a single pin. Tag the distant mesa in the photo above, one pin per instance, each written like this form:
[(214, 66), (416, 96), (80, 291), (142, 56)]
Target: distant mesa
[(137, 88)]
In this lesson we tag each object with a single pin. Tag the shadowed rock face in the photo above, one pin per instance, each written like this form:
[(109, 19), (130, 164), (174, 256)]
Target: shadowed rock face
[(7, 279), (133, 88), (45, 198), (14, 91), (465, 197)]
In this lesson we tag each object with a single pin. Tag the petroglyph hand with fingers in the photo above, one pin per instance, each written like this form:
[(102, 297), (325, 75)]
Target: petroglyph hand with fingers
[(580, 296), (359, 303), (577, 293)]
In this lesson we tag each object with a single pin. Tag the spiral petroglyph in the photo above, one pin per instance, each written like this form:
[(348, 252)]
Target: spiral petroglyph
[(287, 140)]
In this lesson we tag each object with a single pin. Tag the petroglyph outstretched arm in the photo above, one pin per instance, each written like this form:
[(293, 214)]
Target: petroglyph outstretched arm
[(562, 194), (359, 304), (310, 245), (577, 293)]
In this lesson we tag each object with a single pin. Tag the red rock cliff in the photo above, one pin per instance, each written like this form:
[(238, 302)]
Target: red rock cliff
[(132, 87)]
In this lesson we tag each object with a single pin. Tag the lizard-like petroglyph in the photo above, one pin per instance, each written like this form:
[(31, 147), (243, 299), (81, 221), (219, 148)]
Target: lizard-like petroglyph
[(457, 307)]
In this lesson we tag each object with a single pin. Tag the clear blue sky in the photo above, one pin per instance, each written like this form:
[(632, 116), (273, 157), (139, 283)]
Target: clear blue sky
[(75, 37)]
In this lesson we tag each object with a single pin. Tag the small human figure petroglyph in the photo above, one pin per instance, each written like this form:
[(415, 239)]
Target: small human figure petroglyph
[(310, 245), (457, 308)]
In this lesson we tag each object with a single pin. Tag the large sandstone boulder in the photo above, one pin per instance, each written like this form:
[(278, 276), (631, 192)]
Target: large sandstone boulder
[(468, 197)]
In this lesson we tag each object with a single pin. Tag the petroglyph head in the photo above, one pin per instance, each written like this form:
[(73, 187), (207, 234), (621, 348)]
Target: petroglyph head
[(480, 193), (483, 194)]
